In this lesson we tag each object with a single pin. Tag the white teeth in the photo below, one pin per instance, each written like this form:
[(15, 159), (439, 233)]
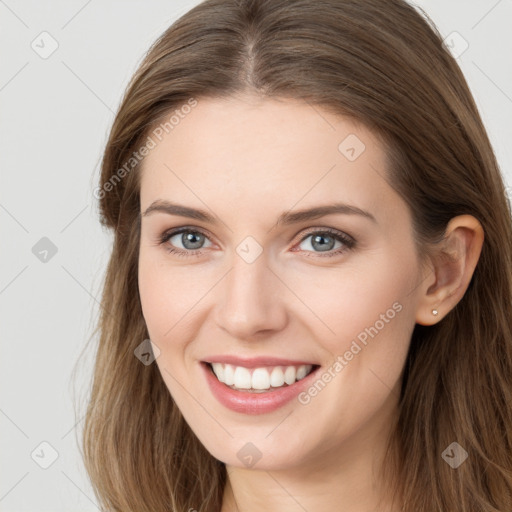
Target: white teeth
[(261, 378), (218, 368), (277, 377), (229, 375), (242, 378), (289, 375), (301, 372)]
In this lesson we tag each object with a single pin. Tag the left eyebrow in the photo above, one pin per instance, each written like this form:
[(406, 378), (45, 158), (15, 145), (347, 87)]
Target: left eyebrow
[(290, 217), (286, 218)]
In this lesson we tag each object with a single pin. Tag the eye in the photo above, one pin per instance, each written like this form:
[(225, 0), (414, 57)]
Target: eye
[(324, 241), (191, 241)]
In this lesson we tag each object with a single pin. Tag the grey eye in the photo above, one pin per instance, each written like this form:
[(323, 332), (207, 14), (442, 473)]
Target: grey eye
[(190, 240), (321, 242)]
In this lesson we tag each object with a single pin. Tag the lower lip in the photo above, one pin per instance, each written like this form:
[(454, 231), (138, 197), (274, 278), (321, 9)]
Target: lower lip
[(254, 403)]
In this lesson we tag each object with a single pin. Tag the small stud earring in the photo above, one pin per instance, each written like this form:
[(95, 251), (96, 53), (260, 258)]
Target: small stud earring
[(435, 312)]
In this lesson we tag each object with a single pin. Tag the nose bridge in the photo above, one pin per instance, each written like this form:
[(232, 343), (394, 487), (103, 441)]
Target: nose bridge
[(251, 296)]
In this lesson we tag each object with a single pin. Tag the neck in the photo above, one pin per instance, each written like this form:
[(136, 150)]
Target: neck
[(345, 477)]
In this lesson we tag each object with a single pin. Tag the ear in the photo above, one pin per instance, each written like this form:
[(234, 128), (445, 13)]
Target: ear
[(452, 267)]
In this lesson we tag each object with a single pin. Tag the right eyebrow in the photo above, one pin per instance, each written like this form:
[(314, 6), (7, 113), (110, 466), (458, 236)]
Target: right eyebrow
[(180, 210)]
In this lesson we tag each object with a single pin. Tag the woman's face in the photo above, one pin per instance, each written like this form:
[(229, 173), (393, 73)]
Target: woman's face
[(269, 293)]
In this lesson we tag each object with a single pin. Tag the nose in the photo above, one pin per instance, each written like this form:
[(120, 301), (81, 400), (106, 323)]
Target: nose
[(251, 300)]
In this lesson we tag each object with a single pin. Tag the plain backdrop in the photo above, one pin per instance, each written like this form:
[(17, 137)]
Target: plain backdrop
[(56, 112)]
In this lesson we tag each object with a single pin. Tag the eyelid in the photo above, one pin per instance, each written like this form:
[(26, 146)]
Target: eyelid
[(169, 233), (331, 231)]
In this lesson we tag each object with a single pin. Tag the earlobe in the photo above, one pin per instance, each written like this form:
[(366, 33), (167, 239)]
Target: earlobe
[(453, 265)]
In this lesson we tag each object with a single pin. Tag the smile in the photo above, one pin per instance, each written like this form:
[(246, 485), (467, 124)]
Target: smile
[(261, 386), (259, 379)]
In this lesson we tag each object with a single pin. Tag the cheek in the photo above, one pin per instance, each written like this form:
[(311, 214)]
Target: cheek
[(348, 300), (168, 295), (153, 296), (167, 301)]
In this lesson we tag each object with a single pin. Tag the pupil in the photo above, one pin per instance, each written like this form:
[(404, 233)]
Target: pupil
[(323, 247), (189, 238)]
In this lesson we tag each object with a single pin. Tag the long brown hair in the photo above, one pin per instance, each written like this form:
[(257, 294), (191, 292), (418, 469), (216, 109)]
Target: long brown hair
[(383, 64)]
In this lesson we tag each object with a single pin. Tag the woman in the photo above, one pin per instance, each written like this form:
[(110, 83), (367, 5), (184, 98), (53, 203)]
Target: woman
[(255, 136)]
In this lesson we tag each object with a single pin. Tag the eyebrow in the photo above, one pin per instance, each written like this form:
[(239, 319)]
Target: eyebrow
[(286, 218)]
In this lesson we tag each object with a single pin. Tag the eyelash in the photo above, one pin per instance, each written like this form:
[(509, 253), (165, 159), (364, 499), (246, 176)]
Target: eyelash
[(348, 241)]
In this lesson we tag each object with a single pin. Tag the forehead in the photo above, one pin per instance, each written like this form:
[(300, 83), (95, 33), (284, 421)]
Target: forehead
[(259, 152)]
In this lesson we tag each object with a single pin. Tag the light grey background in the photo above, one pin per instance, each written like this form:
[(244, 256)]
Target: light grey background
[(55, 117)]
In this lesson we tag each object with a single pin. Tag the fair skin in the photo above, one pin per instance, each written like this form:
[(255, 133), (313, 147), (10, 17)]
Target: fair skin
[(246, 161)]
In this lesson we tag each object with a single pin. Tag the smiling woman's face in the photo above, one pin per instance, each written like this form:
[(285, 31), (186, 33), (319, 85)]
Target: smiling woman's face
[(335, 293)]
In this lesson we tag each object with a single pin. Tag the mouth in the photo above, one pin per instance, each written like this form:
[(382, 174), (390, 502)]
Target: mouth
[(262, 379)]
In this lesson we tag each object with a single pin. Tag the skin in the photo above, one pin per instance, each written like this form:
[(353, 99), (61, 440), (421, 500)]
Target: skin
[(246, 161)]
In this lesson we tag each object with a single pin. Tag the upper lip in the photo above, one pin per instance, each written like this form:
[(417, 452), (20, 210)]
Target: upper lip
[(255, 362)]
